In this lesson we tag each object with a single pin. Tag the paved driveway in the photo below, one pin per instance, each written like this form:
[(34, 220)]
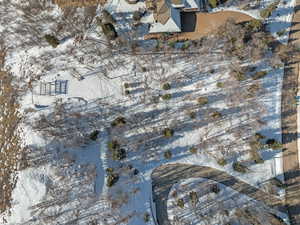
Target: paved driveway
[(164, 177), (289, 126)]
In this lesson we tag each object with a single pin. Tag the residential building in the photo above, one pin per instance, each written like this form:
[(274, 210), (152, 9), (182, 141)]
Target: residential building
[(167, 13)]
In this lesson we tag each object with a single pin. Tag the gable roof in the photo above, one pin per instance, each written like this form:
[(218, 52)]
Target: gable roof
[(166, 13), (163, 12), (173, 23), (192, 4), (177, 2)]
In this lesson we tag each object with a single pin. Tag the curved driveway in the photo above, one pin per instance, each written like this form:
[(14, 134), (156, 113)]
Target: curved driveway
[(164, 177)]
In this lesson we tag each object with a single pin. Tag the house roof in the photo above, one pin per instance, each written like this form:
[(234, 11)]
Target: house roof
[(163, 12), (167, 14), (150, 4), (192, 4), (177, 2), (173, 24)]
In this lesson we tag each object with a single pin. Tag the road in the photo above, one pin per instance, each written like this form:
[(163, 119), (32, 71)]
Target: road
[(289, 126), (164, 177)]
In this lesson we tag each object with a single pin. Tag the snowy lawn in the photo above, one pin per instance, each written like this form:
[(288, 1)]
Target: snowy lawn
[(70, 185)]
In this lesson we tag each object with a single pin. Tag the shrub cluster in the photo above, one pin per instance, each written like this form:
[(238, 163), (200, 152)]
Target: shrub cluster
[(52, 40), (114, 144), (168, 132), (168, 154), (117, 152), (265, 13), (216, 115), (213, 3), (107, 17), (193, 150), (253, 89), (192, 114), (146, 217), (137, 15), (237, 166), (108, 29), (254, 25), (119, 121), (259, 74), (166, 96), (222, 161), (215, 188), (202, 101), (180, 203), (278, 183), (166, 86), (220, 84), (94, 135), (239, 75), (272, 143), (193, 197), (255, 156), (112, 178)]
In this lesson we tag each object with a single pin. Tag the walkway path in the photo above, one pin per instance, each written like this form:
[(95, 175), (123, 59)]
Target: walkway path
[(164, 177), (289, 127)]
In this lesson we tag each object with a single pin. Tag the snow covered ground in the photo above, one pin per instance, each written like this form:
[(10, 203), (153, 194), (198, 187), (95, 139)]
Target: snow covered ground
[(130, 199), (214, 204), (278, 23)]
